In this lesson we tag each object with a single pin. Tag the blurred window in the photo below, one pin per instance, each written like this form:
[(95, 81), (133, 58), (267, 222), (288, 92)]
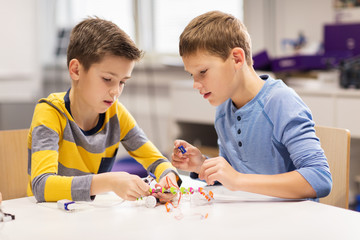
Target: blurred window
[(119, 12), (172, 16), (155, 25)]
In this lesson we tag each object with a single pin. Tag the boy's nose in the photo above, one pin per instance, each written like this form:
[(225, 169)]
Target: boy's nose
[(197, 85), (115, 92)]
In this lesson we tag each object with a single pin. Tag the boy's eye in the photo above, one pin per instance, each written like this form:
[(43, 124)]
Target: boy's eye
[(107, 79), (204, 71), (122, 83)]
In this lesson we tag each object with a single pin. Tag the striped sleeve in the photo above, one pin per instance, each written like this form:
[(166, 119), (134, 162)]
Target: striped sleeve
[(45, 134), (141, 148)]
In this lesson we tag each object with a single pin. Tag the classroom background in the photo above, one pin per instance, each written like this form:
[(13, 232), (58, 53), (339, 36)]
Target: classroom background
[(293, 40)]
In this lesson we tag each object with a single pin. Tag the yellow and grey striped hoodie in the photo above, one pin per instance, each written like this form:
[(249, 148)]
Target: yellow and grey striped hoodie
[(63, 157)]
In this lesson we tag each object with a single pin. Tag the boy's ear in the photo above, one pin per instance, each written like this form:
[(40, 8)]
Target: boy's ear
[(238, 55), (74, 69)]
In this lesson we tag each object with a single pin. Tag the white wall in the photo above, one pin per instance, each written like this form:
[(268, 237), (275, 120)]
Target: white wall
[(270, 21), (257, 17), (19, 63)]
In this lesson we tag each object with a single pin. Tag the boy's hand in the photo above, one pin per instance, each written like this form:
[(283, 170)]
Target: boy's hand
[(166, 197), (218, 169), (129, 187), (190, 161)]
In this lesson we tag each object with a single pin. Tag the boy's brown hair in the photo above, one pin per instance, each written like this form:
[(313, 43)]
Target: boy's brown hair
[(94, 38), (215, 32)]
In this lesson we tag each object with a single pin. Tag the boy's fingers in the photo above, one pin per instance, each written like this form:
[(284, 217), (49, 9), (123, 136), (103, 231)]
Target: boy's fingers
[(179, 165), (178, 143), (181, 155), (165, 197), (177, 158), (142, 187), (133, 196), (202, 173), (181, 162)]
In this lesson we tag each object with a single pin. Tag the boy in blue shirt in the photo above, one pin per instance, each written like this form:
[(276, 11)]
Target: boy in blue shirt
[(266, 137)]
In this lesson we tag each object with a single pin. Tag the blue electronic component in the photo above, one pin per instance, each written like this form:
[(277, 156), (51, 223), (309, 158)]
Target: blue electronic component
[(152, 175), (150, 178), (65, 204), (182, 149)]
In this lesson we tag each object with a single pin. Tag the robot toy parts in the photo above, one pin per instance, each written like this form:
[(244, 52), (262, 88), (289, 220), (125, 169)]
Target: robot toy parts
[(151, 201)]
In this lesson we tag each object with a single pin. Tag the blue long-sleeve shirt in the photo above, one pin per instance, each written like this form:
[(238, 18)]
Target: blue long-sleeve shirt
[(272, 134)]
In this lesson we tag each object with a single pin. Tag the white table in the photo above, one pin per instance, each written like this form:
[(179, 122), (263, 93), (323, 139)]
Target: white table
[(239, 215)]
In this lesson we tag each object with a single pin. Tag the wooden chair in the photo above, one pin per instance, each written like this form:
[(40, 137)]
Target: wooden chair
[(336, 145), (13, 163)]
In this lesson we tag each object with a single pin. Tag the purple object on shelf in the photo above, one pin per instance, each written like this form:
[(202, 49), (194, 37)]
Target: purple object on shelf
[(341, 41), (298, 63), (262, 61), (309, 62), (342, 38)]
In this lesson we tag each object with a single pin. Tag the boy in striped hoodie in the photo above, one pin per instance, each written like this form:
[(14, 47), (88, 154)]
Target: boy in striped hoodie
[(74, 135)]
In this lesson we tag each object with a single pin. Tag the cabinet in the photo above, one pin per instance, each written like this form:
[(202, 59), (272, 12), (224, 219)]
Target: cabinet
[(188, 105), (348, 114), (331, 105), (322, 108), (193, 117)]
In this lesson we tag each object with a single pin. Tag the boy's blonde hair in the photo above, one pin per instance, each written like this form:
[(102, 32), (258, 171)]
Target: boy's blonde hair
[(94, 38), (217, 33)]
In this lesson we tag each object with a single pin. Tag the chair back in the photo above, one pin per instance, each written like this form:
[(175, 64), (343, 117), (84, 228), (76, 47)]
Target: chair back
[(13, 163), (336, 145)]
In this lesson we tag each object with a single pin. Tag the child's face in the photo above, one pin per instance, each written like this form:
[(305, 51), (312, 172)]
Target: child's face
[(213, 77), (104, 82)]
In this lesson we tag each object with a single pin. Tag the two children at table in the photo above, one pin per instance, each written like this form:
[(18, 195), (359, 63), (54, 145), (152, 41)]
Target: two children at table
[(265, 132)]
